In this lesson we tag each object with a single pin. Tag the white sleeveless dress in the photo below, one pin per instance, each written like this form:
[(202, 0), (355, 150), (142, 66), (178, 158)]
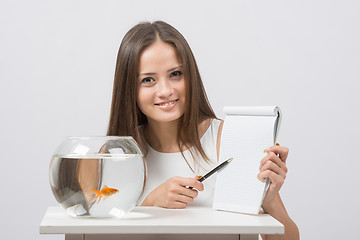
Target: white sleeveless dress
[(163, 166)]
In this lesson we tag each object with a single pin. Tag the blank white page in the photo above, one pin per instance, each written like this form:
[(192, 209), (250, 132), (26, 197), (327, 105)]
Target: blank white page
[(244, 138)]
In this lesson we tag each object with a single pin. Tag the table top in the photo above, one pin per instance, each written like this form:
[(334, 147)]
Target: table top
[(154, 220)]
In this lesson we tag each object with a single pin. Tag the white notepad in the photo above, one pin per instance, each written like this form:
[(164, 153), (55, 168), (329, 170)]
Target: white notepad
[(247, 131)]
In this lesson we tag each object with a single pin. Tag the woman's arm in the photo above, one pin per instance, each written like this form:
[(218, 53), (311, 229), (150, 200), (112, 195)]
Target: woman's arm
[(273, 166), (278, 211)]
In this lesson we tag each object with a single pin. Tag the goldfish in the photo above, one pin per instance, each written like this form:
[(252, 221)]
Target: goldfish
[(105, 192)]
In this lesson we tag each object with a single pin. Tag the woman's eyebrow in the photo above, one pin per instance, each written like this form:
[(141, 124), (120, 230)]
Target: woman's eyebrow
[(150, 73), (146, 74), (172, 69)]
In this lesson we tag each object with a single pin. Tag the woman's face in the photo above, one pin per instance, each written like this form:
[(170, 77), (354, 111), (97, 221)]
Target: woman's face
[(161, 83)]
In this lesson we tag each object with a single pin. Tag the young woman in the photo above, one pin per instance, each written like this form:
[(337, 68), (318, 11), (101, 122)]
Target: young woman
[(159, 100)]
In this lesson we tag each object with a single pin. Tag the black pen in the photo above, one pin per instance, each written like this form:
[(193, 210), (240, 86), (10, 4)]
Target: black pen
[(218, 168)]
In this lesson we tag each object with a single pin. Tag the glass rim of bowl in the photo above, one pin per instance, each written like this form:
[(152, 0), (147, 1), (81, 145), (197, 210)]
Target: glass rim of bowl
[(85, 139)]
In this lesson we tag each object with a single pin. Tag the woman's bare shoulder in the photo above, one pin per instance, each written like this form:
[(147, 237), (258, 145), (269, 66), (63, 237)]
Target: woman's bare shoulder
[(204, 125), (219, 138)]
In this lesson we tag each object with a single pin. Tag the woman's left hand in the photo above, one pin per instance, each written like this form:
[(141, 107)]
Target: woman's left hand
[(273, 166)]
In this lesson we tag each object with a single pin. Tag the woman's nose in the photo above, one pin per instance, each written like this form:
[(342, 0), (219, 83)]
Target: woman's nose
[(164, 89)]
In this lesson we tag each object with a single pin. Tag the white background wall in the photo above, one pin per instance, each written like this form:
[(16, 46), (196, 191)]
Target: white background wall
[(57, 63)]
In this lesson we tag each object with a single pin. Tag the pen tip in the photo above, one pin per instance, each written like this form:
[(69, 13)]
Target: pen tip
[(230, 159)]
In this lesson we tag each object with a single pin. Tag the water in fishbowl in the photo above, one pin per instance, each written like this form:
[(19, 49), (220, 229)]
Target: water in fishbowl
[(99, 185)]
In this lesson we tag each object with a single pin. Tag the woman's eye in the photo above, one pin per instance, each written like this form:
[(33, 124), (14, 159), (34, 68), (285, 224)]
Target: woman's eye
[(176, 74), (147, 80)]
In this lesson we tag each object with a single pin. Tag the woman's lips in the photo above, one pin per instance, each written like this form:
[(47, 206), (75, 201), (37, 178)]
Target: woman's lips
[(167, 105)]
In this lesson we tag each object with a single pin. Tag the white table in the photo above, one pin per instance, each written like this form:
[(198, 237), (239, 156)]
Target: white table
[(159, 223)]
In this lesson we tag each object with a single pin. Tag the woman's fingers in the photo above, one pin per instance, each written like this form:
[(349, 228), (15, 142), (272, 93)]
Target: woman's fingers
[(270, 159), (271, 166), (184, 199), (190, 182), (178, 200), (276, 180), (183, 190), (283, 152)]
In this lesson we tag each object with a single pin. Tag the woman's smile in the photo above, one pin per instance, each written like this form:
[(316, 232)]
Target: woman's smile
[(167, 105)]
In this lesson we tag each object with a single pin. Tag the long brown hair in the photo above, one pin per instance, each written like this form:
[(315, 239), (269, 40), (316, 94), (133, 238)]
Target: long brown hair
[(126, 117)]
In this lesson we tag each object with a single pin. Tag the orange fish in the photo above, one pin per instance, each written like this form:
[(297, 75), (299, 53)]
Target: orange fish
[(105, 192)]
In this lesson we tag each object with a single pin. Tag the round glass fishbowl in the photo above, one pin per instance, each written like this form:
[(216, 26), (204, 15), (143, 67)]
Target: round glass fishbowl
[(97, 176)]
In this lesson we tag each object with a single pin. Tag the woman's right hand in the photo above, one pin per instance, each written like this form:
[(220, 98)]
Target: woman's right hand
[(174, 193)]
